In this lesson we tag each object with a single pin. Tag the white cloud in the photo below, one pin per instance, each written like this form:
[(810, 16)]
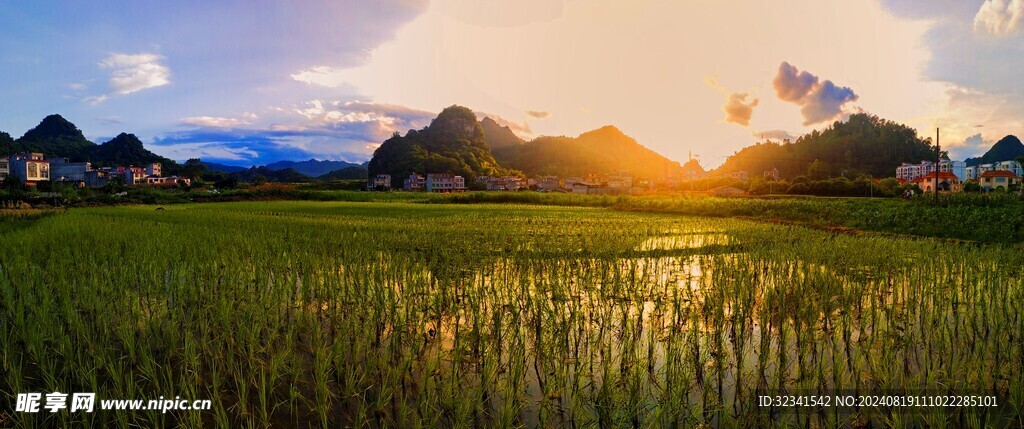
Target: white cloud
[(320, 75), (1000, 17), (136, 72), (206, 150), (96, 100), (213, 122), (355, 112)]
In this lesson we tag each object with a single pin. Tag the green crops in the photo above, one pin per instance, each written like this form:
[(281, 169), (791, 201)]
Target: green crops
[(340, 314)]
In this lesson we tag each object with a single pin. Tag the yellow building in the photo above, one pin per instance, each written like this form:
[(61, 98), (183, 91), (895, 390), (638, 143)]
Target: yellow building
[(947, 182)]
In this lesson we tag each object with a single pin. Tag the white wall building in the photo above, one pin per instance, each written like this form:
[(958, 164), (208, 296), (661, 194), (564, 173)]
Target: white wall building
[(380, 181), (443, 182)]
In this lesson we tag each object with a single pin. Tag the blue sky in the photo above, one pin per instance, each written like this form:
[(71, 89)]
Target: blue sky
[(252, 82)]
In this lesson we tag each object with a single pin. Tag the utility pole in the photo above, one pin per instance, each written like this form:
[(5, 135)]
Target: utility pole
[(938, 155)]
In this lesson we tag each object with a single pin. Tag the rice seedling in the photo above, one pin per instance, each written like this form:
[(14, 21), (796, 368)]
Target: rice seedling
[(326, 314)]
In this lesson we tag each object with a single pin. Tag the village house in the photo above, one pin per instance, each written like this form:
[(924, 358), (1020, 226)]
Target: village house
[(61, 170), (971, 173), (738, 175), (945, 181), (505, 183), (414, 182), (569, 182), (29, 168), (444, 182), (975, 172), (997, 180), (548, 183), (958, 168), (1011, 166), (380, 181), (133, 175), (166, 181), (620, 180)]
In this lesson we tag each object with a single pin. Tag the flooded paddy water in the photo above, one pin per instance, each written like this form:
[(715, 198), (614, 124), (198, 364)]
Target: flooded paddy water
[(398, 315)]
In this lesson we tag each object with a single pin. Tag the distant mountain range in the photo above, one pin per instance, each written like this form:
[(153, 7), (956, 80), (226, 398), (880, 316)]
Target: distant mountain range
[(312, 167), (1006, 149), (223, 168), (454, 142)]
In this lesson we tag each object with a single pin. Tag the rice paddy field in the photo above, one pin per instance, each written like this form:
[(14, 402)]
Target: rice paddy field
[(396, 314)]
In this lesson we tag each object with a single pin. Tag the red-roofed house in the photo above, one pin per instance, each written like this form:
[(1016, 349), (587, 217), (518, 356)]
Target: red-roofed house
[(947, 182), (998, 179)]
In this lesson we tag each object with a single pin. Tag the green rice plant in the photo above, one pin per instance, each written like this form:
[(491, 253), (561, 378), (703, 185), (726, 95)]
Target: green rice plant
[(396, 313)]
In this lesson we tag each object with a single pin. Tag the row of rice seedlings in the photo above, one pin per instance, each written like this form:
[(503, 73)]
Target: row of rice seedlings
[(325, 315)]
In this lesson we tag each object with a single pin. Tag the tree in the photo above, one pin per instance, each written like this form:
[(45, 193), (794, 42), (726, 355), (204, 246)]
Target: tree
[(817, 170), (193, 169), (863, 144), (13, 184)]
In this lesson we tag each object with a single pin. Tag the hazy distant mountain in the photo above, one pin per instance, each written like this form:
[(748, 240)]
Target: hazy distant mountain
[(1007, 149), (312, 167), (223, 168), (497, 136), (286, 175), (452, 143), (602, 151), (347, 173)]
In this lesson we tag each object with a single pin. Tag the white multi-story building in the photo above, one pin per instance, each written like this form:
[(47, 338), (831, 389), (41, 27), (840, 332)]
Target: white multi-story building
[(910, 172), (975, 172), (971, 173), (1011, 166), (958, 168), (414, 182), (5, 168), (380, 181), (443, 182)]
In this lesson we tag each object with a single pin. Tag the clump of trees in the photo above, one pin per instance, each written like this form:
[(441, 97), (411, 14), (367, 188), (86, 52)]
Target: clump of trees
[(863, 145)]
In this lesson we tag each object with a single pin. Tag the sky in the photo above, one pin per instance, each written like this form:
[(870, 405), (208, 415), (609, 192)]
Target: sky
[(256, 81)]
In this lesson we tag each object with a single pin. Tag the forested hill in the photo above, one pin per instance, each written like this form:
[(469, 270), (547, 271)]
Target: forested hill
[(498, 136), (864, 144), (1006, 149), (601, 151), (57, 137), (453, 143)]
